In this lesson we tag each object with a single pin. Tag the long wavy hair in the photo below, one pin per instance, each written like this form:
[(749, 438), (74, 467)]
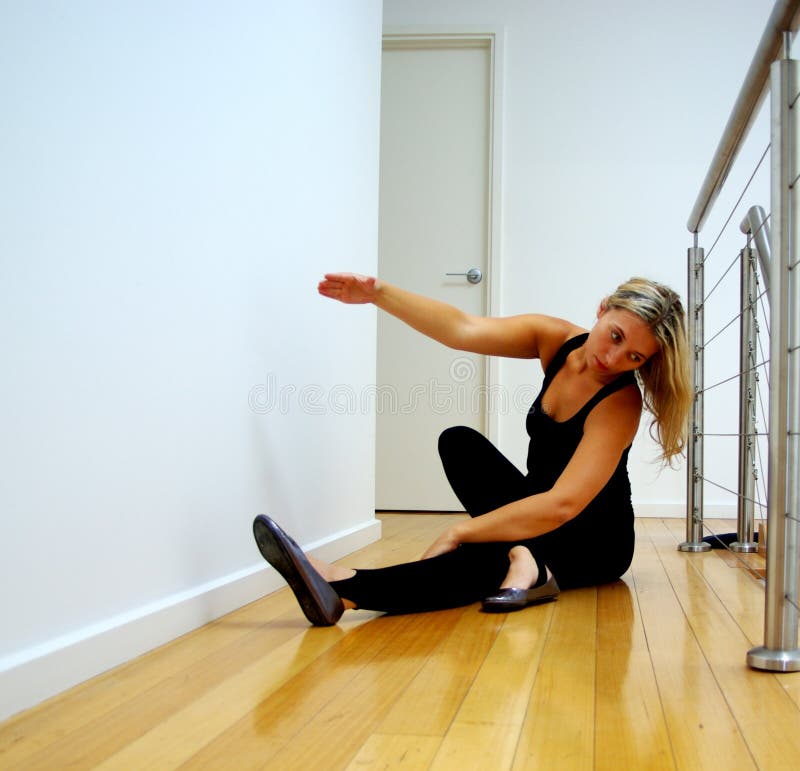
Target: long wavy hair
[(664, 378)]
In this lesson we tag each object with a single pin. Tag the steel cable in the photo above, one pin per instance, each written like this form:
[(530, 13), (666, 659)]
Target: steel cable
[(732, 377), (739, 200), (751, 305), (734, 492)]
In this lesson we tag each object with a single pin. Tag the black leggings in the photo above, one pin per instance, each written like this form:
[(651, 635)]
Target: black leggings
[(468, 573)]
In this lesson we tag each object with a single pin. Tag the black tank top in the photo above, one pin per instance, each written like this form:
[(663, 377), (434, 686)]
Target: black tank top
[(553, 443)]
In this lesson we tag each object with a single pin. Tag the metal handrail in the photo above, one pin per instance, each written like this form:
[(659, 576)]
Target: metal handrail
[(783, 17)]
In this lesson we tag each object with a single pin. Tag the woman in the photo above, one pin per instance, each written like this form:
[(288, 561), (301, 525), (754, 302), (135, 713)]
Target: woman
[(569, 521)]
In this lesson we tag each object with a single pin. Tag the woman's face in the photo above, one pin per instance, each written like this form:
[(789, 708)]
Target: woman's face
[(619, 342)]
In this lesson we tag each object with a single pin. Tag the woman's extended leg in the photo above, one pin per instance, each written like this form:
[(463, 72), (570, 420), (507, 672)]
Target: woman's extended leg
[(470, 573), (460, 577)]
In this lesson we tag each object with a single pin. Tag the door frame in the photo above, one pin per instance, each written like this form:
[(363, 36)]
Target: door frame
[(490, 37)]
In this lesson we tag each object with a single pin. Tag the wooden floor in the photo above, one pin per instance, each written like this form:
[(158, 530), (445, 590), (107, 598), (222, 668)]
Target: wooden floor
[(648, 673)]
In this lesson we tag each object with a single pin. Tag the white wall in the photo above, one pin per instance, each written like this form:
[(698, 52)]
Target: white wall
[(612, 112), (176, 177)]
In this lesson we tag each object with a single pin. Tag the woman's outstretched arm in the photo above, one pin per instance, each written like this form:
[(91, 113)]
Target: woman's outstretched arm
[(515, 336)]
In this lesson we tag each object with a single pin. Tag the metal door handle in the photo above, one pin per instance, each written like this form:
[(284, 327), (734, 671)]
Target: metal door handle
[(474, 275)]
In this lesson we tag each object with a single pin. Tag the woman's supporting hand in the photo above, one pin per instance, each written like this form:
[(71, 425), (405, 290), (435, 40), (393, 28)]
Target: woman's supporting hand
[(350, 288), (447, 541)]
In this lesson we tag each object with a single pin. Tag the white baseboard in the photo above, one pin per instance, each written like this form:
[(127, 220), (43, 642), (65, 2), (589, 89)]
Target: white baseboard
[(39, 672), (678, 510)]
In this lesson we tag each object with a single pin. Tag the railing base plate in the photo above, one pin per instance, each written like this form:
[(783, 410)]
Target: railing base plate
[(744, 547), (774, 661), (696, 547)]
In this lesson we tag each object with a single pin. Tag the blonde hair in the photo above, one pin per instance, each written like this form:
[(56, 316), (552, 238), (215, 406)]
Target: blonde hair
[(664, 377)]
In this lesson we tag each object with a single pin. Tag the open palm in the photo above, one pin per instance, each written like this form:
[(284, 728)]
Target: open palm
[(350, 288)]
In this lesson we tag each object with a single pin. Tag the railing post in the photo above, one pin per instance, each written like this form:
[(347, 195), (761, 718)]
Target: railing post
[(745, 542), (694, 449), (779, 652)]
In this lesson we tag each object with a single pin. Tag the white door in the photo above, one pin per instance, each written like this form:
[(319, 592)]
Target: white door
[(434, 220)]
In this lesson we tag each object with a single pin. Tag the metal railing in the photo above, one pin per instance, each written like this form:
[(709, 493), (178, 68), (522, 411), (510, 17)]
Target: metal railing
[(778, 253)]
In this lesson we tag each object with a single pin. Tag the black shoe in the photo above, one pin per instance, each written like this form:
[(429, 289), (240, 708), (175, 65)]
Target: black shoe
[(507, 600), (321, 605)]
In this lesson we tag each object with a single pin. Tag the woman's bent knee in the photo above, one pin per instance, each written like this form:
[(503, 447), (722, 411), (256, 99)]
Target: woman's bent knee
[(457, 437)]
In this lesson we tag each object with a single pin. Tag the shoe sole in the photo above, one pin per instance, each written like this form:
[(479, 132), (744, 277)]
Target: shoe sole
[(320, 604)]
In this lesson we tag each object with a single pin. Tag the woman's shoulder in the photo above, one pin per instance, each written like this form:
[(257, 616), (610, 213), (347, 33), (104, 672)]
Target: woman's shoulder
[(554, 333)]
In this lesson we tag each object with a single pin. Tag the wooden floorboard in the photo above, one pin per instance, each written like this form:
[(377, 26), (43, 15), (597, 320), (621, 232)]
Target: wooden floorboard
[(630, 729), (645, 673)]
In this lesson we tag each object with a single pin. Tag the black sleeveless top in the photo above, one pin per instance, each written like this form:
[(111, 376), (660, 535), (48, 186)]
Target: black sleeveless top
[(553, 443)]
